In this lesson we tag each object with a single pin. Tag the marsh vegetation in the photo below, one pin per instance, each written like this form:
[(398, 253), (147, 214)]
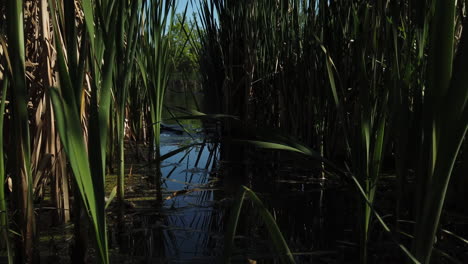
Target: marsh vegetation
[(266, 131)]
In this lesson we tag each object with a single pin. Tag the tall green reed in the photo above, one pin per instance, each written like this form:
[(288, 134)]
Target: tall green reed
[(365, 128), (445, 121), (22, 166), (273, 64), (129, 21), (156, 58), (89, 172)]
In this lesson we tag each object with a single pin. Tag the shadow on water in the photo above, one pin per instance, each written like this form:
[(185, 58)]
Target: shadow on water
[(198, 186)]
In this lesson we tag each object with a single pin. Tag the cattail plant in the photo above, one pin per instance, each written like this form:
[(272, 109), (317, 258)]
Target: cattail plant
[(159, 15)]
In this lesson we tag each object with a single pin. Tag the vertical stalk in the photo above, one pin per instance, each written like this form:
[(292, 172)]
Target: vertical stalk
[(22, 170), (121, 99), (446, 121), (157, 48), (121, 160), (128, 20)]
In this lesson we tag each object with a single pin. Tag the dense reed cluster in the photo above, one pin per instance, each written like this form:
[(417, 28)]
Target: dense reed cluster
[(66, 71), (363, 83)]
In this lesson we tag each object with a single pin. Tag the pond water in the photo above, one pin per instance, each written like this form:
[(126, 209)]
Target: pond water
[(198, 187)]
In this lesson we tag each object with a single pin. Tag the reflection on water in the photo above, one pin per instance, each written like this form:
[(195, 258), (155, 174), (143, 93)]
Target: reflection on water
[(188, 226), (198, 186), (180, 227)]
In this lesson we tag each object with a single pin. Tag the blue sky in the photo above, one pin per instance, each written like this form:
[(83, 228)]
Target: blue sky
[(182, 3)]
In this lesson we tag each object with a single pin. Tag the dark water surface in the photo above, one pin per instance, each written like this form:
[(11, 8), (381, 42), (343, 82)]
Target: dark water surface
[(198, 188)]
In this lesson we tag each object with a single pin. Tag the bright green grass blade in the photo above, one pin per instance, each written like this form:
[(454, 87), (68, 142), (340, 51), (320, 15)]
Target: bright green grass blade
[(70, 131), (69, 128), (89, 20), (270, 145), (104, 92), (331, 77), (286, 146), (111, 197)]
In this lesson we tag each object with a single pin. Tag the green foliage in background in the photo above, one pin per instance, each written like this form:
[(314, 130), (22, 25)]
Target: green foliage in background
[(185, 44)]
